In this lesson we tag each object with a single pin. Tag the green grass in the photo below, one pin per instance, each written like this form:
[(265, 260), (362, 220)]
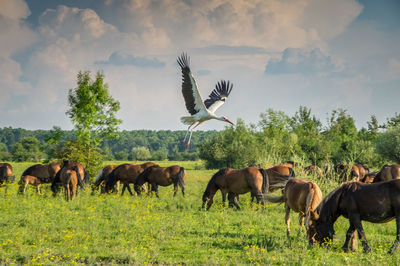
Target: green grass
[(41, 229)]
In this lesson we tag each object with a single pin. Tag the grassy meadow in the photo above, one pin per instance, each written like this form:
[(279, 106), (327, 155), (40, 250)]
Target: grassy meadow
[(110, 229)]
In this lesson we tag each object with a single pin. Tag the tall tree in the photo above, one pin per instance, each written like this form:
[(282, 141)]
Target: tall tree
[(92, 110)]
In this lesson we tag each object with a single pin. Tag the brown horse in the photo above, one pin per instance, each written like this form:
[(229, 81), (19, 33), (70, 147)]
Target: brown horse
[(102, 176), (369, 178), (45, 172), (301, 196), (290, 164), (29, 180), (126, 174), (358, 172), (83, 176), (313, 170), (234, 182), (69, 177), (6, 173), (356, 201), (388, 172), (162, 176)]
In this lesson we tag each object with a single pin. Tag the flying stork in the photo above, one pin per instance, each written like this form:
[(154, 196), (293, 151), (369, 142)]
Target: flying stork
[(200, 111)]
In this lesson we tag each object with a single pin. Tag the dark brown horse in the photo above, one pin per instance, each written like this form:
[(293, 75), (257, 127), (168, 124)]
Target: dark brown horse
[(29, 180), (301, 196), (6, 173), (104, 172), (126, 174), (234, 182), (162, 176), (283, 170), (356, 201), (44, 172), (388, 172), (358, 172)]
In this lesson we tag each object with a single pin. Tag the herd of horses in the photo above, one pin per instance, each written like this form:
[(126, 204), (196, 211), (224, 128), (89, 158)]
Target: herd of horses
[(362, 196)]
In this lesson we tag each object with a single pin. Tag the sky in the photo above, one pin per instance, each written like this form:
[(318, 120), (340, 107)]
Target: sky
[(278, 54)]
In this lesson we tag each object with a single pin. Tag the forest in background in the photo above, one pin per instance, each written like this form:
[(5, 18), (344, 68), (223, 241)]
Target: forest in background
[(277, 136)]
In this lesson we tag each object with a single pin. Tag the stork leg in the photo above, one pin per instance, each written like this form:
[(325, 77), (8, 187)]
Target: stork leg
[(183, 141), (190, 137)]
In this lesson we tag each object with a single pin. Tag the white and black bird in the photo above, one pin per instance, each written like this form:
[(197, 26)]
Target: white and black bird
[(200, 111)]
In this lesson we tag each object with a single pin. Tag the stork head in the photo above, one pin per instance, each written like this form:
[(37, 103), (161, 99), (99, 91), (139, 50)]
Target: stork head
[(223, 118)]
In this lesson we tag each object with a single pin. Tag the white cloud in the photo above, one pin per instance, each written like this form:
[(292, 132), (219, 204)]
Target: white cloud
[(14, 9)]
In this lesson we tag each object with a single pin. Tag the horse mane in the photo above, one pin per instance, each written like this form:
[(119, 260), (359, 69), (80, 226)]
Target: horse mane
[(144, 175), (30, 169), (212, 181), (329, 205)]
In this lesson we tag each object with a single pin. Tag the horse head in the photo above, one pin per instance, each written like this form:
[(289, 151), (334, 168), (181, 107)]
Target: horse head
[(319, 231)]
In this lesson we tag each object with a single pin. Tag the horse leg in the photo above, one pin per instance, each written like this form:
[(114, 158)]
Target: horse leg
[(156, 191), (118, 184), (123, 190), (73, 192), (360, 230), (287, 220), (129, 189), (26, 185), (175, 188), (349, 235), (38, 188), (66, 192), (354, 241), (396, 242), (301, 222), (224, 198), (233, 200)]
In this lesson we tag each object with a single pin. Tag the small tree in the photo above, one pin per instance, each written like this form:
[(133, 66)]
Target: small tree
[(388, 144), (140, 153), (92, 111)]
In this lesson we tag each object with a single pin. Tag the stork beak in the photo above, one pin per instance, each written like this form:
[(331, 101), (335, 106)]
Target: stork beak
[(226, 120)]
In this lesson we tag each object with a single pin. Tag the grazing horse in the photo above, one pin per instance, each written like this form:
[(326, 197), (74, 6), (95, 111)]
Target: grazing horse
[(290, 164), (162, 176), (356, 201), (44, 172), (102, 176), (358, 172), (29, 180), (234, 182), (126, 174), (70, 177), (6, 173), (369, 178), (301, 196), (388, 172), (82, 174), (313, 170)]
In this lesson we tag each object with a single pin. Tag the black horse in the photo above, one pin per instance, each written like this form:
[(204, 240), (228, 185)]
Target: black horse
[(356, 201)]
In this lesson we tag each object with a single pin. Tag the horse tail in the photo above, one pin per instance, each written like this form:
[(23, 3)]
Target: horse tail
[(265, 183), (211, 183), (181, 177), (56, 180), (291, 172), (99, 178), (274, 199), (110, 180), (80, 183)]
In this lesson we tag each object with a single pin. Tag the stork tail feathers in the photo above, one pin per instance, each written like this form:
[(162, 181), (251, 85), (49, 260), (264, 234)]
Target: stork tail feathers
[(187, 120)]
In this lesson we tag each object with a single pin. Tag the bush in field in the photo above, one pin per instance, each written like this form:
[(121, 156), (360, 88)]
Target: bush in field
[(140, 154), (234, 147), (388, 144)]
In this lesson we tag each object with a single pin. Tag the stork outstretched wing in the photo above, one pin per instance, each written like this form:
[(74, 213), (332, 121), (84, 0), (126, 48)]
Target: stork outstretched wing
[(218, 95), (192, 97)]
